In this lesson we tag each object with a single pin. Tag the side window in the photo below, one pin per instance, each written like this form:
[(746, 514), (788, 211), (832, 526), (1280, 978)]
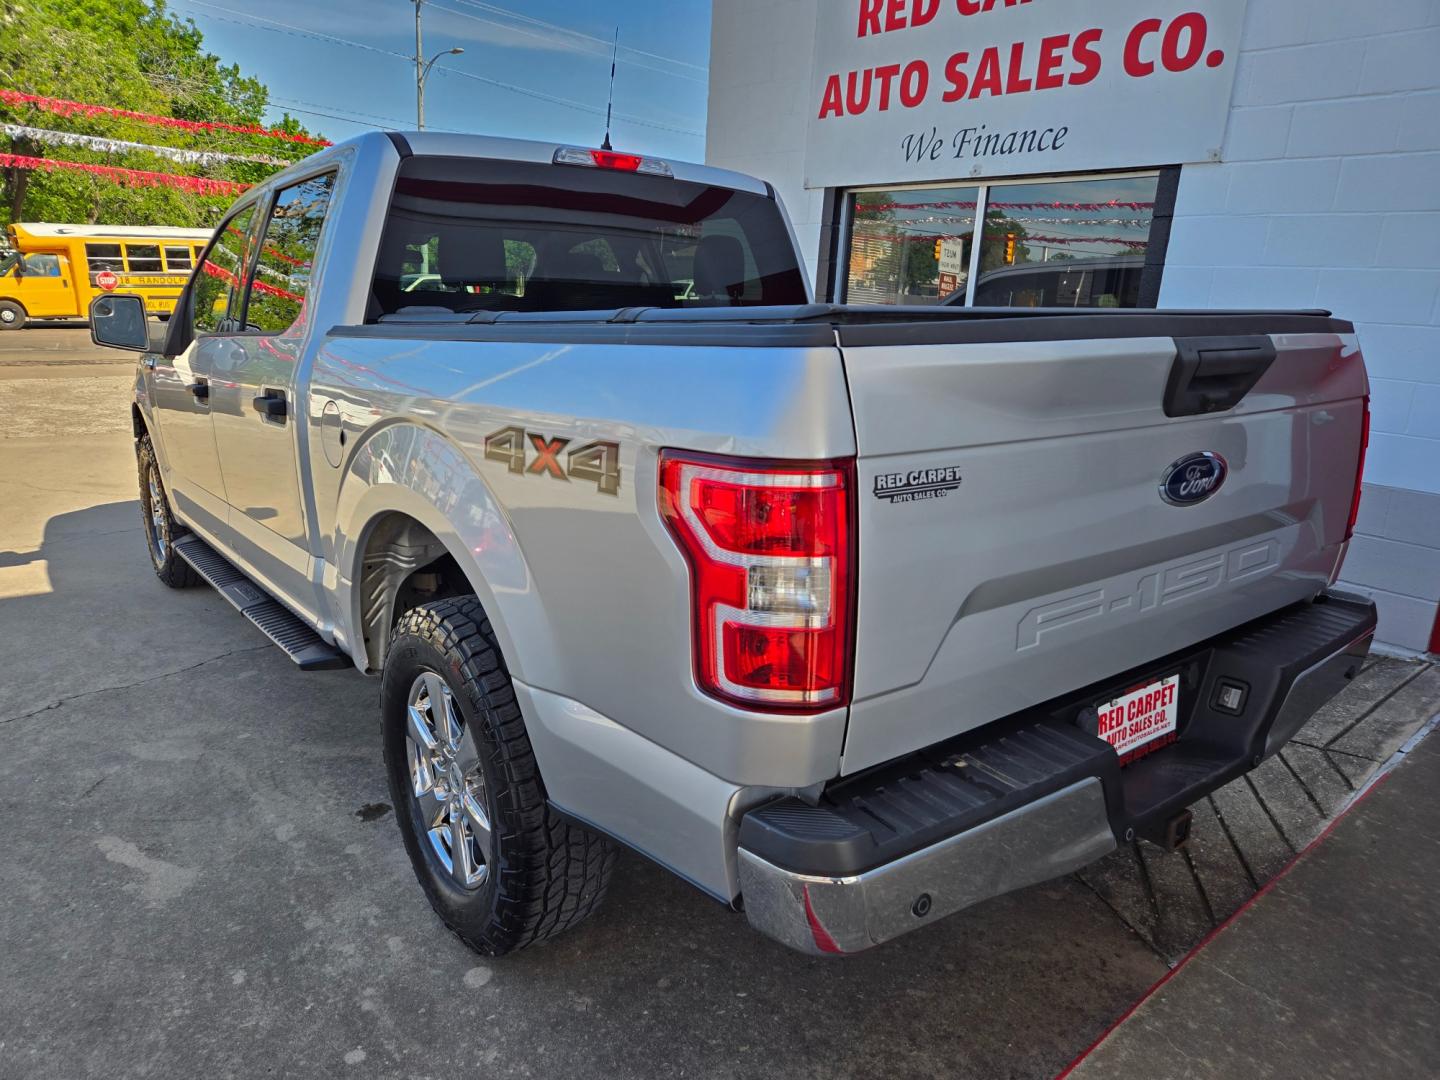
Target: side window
[(177, 258), (216, 297), (104, 257), (143, 258), (41, 264), (287, 256)]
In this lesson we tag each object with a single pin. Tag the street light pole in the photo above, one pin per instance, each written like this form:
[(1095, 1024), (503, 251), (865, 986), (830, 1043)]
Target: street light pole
[(419, 74), (422, 69)]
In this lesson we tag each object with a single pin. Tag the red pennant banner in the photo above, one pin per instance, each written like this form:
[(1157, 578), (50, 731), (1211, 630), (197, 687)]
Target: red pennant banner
[(62, 107), (198, 185)]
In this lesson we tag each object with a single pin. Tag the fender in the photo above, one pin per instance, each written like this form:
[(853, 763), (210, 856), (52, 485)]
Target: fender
[(408, 469)]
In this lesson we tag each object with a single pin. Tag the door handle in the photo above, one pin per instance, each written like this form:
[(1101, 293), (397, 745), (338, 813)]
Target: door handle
[(201, 389), (271, 405)]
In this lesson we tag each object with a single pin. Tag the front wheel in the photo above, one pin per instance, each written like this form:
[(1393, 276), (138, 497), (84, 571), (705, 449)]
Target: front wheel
[(161, 528), (498, 865), (12, 315)]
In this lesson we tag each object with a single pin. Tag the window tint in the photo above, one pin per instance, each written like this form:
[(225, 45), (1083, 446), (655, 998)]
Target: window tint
[(215, 302), (143, 258), (104, 257), (177, 258), (287, 255), (467, 235), (1071, 244)]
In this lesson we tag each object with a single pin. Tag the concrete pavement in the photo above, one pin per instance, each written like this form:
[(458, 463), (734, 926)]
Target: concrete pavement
[(1331, 974), (200, 874)]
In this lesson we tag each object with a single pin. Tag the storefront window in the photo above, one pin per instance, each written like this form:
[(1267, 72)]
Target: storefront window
[(911, 246), (1071, 243)]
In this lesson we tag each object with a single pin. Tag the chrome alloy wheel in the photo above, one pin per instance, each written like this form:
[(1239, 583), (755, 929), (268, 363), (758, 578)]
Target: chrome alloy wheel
[(158, 529), (447, 782)]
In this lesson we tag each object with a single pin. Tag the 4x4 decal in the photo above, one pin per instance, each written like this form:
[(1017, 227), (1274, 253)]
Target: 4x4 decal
[(597, 462)]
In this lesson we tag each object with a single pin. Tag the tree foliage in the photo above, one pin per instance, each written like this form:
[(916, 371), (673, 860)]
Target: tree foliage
[(135, 55)]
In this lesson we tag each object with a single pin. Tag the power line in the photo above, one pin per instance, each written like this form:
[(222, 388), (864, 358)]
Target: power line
[(244, 18), (587, 38)]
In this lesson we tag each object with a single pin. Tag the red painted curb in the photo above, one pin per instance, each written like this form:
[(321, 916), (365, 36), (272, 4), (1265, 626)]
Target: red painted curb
[(1213, 934)]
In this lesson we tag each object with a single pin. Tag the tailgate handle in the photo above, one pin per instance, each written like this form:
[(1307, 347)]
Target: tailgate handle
[(1212, 374)]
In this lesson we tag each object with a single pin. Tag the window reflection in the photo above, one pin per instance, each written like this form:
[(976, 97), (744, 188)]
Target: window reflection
[(910, 246), (1072, 243)]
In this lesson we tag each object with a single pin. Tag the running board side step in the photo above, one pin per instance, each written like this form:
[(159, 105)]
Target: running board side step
[(277, 622)]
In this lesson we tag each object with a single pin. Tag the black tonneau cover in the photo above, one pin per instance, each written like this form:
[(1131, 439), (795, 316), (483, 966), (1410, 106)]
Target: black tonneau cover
[(831, 324)]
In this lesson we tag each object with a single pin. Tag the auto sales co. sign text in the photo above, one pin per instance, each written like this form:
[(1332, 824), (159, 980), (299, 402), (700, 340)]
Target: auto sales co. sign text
[(950, 89)]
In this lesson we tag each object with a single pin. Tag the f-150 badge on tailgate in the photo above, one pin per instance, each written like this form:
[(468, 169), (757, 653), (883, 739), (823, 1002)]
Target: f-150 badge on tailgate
[(1193, 479), (918, 484)]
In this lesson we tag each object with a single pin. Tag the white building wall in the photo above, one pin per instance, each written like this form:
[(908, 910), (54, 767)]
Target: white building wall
[(1328, 196), (760, 102)]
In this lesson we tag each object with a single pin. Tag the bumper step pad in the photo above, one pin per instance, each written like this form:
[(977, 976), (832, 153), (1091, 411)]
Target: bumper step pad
[(1289, 663), (277, 622)]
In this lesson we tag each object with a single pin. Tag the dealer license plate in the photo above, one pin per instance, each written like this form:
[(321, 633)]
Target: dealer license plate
[(1142, 720)]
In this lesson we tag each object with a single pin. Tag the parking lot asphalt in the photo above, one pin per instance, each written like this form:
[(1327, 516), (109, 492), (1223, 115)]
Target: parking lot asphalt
[(200, 873)]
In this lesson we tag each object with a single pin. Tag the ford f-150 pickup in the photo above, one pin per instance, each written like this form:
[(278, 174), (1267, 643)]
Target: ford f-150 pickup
[(851, 617)]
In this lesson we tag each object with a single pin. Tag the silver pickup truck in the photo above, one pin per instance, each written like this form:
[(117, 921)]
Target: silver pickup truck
[(851, 617)]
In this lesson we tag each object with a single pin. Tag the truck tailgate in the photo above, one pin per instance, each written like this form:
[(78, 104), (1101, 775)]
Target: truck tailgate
[(1014, 542)]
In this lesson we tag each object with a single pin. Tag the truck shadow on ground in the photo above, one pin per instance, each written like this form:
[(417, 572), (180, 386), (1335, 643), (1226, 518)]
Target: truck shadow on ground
[(211, 829)]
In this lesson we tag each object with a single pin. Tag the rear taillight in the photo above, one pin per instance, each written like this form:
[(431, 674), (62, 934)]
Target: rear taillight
[(772, 560), (1359, 470)]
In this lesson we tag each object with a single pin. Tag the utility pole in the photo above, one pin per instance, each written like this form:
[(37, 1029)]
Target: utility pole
[(422, 69), (419, 74)]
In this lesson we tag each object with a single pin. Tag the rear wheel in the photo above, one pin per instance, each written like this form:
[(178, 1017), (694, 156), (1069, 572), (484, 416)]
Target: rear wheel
[(161, 528), (12, 315), (498, 865)]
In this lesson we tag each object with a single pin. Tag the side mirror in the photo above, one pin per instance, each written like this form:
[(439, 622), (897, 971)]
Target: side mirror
[(119, 322)]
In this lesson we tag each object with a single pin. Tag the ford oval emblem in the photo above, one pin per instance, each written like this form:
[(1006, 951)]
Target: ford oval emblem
[(1193, 479)]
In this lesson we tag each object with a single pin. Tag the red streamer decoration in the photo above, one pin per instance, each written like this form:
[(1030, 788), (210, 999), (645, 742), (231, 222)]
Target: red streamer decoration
[(229, 278), (198, 185), (62, 107), (1135, 206)]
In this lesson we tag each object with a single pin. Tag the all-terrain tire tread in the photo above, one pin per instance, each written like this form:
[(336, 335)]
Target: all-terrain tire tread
[(557, 872)]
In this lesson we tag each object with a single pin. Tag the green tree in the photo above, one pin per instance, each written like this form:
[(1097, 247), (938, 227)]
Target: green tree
[(134, 55)]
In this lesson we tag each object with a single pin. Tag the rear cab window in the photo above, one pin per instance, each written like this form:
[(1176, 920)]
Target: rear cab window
[(472, 235)]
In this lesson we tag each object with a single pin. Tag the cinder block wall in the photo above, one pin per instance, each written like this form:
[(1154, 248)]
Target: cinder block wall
[(1329, 196)]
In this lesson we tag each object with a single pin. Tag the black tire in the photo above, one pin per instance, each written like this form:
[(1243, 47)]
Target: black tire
[(12, 315), (544, 873), (158, 523)]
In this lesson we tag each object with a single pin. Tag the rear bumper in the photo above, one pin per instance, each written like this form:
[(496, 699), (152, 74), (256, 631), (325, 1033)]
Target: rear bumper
[(1035, 796)]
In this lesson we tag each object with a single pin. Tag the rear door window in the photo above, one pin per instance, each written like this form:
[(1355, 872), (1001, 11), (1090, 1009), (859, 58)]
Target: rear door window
[(287, 256), (466, 235)]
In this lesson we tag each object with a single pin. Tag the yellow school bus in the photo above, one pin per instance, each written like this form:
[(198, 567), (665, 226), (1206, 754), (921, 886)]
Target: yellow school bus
[(54, 271)]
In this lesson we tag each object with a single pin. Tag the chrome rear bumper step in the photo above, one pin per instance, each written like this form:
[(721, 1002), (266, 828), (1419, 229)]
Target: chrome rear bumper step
[(277, 622)]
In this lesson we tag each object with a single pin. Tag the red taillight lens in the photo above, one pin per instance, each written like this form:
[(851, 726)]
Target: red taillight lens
[(1359, 471), (771, 561)]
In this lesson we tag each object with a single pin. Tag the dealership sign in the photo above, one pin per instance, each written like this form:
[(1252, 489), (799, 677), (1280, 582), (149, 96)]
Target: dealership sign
[(906, 90)]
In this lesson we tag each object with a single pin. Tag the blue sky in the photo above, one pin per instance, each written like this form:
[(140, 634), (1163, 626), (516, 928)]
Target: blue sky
[(554, 49)]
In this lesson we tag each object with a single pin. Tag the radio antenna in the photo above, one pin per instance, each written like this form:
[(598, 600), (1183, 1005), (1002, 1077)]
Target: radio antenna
[(615, 50)]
